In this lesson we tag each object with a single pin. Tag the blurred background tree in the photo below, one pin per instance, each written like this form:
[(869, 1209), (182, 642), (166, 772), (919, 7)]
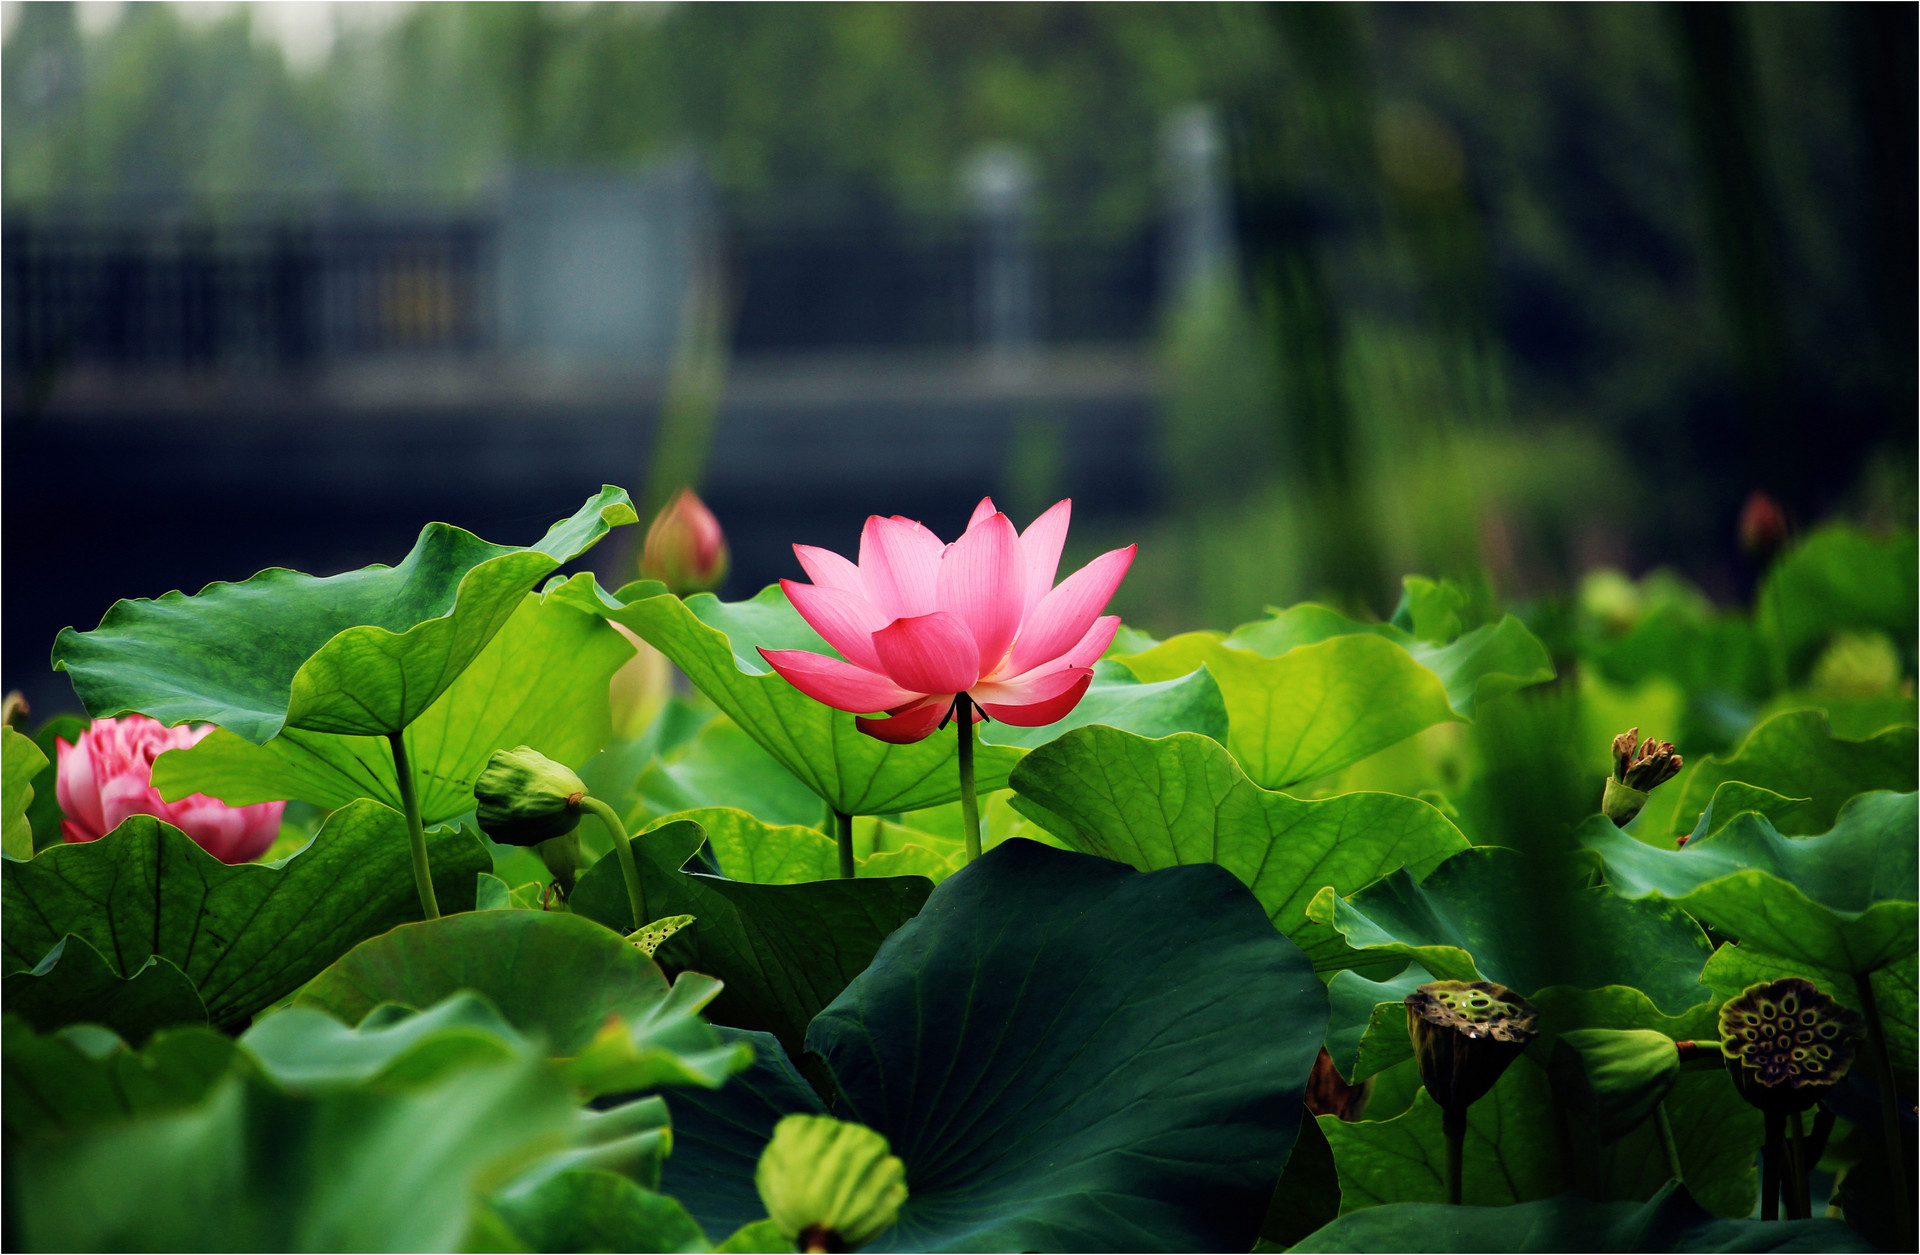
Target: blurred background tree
[(1518, 289)]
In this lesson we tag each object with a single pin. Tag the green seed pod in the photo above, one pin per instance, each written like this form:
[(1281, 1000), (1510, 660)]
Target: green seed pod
[(523, 798), (829, 1185), (1465, 1033), (1786, 1043)]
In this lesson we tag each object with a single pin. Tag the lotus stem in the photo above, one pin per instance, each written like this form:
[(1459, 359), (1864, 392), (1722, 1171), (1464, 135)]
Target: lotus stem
[(416, 831), (1667, 1143), (1454, 1124), (1889, 1105), (1799, 1205), (969, 805), (1770, 1166), (623, 848), (843, 833)]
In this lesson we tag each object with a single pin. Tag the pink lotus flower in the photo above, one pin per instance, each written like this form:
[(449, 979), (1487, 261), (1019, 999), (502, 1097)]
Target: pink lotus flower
[(108, 776), (919, 623)]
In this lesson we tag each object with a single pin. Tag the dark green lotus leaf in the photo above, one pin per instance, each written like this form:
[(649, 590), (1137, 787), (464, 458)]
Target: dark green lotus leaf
[(541, 681), (1309, 691), (246, 935), (593, 1210), (1669, 1221), (304, 1049), (584, 990), (1843, 900), (1122, 1058), (73, 984), (1795, 754), (364, 653), (1183, 799), (250, 1168), (783, 951), (1490, 913), (20, 763), (1839, 578), (1308, 1194), (85, 1077), (1735, 967), (1118, 699)]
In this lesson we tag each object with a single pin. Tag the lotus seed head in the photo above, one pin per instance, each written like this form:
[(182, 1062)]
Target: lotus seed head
[(1786, 1043)]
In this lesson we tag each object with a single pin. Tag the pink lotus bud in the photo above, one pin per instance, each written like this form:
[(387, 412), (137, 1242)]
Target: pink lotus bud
[(108, 776), (1763, 526), (686, 550)]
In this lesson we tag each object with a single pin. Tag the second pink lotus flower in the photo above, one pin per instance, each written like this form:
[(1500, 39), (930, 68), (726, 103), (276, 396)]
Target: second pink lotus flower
[(920, 622)]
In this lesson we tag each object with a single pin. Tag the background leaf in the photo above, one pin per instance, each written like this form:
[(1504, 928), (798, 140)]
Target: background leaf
[(590, 1210), (364, 653), (1796, 755), (246, 935), (85, 1078)]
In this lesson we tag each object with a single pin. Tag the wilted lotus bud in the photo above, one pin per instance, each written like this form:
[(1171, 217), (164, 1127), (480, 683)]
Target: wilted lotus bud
[(1786, 1043), (1763, 526), (686, 549), (14, 711), (1465, 1033), (523, 798), (1636, 772), (829, 1185)]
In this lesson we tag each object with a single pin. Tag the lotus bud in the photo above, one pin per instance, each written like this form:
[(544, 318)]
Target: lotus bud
[(524, 798), (685, 549), (1465, 1033), (1636, 773), (830, 1185), (1763, 527), (1786, 1043)]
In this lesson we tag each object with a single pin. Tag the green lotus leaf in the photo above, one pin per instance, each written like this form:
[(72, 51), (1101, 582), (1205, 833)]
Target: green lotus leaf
[(630, 1138), (1490, 913), (1843, 900), (1183, 799), (1613, 1078), (1795, 754), (304, 1049), (589, 995), (359, 654), (1839, 578), (1121, 1059), (1734, 968), (493, 894), (594, 1210), (783, 951), (1309, 691), (1117, 698), (85, 1077), (250, 1168), (723, 766), (1669, 1221), (1733, 799), (1367, 1032), (246, 935), (20, 762), (73, 984), (541, 681)]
